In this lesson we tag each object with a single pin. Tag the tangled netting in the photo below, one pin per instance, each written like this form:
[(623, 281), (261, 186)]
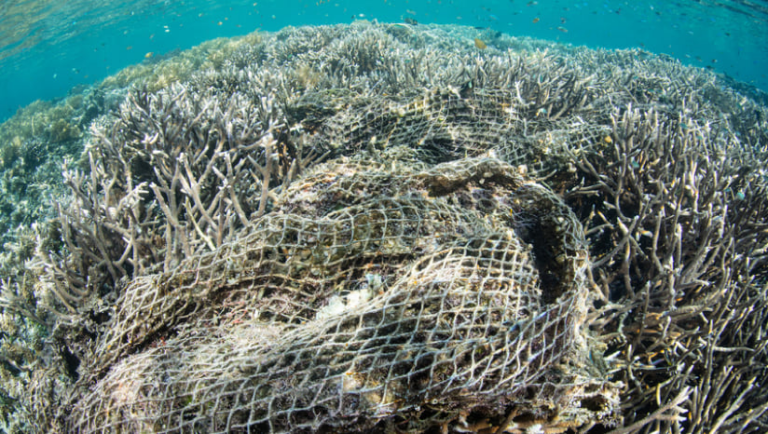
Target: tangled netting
[(366, 296), (385, 228)]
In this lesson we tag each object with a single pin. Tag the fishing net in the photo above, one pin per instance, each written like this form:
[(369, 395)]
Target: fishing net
[(370, 299)]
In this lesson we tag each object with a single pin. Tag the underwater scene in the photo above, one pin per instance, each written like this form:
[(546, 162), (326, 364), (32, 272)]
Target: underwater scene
[(394, 216)]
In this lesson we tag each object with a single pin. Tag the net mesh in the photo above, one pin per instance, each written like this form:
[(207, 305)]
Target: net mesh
[(368, 299), (448, 122)]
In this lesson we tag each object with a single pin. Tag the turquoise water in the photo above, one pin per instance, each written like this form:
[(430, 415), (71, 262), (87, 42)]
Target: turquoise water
[(48, 47)]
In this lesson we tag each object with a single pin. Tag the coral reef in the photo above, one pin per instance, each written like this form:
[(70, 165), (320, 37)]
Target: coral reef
[(43, 136), (32, 146), (382, 227)]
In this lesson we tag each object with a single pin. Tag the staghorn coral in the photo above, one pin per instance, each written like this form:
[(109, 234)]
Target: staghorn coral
[(591, 222)]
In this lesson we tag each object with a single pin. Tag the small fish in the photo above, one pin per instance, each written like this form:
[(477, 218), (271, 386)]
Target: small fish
[(149, 55), (563, 29), (129, 47), (480, 44), (409, 20), (535, 20), (608, 139)]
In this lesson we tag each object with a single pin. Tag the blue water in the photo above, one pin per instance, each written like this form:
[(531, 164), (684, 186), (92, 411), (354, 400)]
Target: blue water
[(48, 47)]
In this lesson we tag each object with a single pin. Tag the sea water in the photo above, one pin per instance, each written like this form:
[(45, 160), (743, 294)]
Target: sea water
[(48, 47)]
